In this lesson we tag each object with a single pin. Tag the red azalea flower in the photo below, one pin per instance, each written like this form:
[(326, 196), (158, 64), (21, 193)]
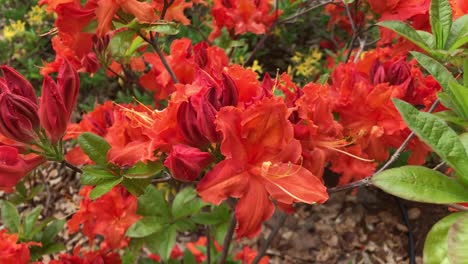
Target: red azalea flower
[(261, 162)]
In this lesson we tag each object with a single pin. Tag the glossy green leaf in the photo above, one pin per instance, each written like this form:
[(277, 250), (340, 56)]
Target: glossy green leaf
[(143, 170), (417, 183), (120, 44), (458, 241), (136, 186), (406, 31), (166, 242), (186, 203), (441, 21), (165, 27), (10, 217), (460, 96), (30, 220), (458, 34), (104, 188), (145, 227), (152, 203), (52, 230), (95, 147), (95, 175), (437, 70), (438, 135), (436, 244), (427, 37)]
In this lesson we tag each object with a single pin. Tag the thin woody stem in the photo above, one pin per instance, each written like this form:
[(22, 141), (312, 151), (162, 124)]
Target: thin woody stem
[(270, 238), (71, 166), (227, 239)]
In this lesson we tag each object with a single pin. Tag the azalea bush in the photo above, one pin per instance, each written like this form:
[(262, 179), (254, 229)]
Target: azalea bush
[(202, 135)]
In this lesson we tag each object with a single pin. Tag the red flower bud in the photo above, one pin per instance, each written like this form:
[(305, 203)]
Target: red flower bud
[(18, 117), (377, 73), (187, 123), (201, 56), (52, 111), (186, 163), (17, 84), (68, 85), (90, 62), (399, 72), (229, 93), (206, 105), (13, 166)]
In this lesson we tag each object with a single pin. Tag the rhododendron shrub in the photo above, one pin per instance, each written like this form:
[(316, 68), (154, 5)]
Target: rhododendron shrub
[(217, 149)]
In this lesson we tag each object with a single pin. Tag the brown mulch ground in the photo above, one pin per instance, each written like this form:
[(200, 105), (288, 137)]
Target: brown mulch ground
[(360, 227)]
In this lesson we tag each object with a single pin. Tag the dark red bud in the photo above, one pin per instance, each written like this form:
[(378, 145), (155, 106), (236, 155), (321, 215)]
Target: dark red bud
[(52, 111), (201, 56), (68, 85), (377, 73), (229, 93), (187, 123), (17, 84), (18, 117), (399, 72)]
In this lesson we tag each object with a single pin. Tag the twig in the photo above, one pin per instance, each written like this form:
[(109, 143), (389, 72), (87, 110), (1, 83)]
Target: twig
[(71, 166), (362, 44), (208, 245), (393, 158), (154, 44), (272, 235), (356, 31), (405, 218), (166, 178), (228, 238), (305, 11)]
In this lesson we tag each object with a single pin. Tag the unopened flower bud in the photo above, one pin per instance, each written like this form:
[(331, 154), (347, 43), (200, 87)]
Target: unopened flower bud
[(18, 117), (186, 163)]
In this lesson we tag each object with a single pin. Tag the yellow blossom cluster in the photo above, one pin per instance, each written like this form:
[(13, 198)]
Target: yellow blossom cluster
[(13, 30), (306, 65), (36, 15)]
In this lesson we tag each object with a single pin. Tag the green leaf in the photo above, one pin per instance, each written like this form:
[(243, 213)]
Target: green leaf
[(458, 241), (460, 96), (52, 230), (95, 175), (417, 183), (427, 37), (104, 188), (437, 70), (186, 203), (90, 27), (165, 27), (166, 242), (10, 217), (441, 21), (450, 117), (142, 170), (458, 34), (136, 44), (21, 189), (464, 140), (184, 224), (30, 221), (152, 203), (136, 186), (436, 245), (438, 135), (120, 43), (189, 258), (95, 147), (145, 227), (406, 31), (218, 215)]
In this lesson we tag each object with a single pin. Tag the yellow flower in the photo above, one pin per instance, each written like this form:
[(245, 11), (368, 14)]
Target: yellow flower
[(13, 30), (256, 67), (36, 16)]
